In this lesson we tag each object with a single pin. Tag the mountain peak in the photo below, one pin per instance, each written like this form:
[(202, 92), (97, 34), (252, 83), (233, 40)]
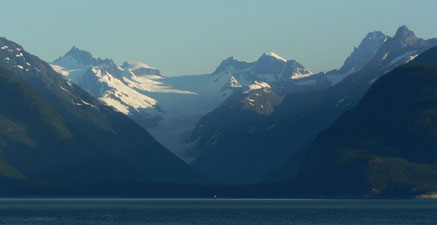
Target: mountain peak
[(74, 51), (403, 28), (362, 54), (405, 35), (373, 40), (231, 64), (74, 48), (76, 56), (273, 55), (374, 35)]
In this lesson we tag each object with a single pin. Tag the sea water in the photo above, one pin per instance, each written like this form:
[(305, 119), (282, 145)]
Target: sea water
[(215, 212)]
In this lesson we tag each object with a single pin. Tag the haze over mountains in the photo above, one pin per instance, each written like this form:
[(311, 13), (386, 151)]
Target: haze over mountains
[(265, 122)]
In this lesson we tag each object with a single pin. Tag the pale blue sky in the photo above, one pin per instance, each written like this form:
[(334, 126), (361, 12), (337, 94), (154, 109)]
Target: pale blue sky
[(193, 36)]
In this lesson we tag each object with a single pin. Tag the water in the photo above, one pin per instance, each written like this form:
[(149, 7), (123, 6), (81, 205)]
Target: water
[(215, 212)]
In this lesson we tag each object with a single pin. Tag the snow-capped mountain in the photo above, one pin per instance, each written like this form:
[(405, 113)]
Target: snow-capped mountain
[(270, 68), (120, 87), (140, 91), (170, 107)]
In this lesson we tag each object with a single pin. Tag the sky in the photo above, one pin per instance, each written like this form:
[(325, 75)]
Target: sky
[(194, 36)]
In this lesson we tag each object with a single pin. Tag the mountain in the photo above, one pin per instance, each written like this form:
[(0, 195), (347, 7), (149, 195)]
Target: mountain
[(170, 107), (181, 113), (361, 55), (359, 58), (270, 67), (108, 130), (242, 107), (38, 144), (386, 146), (261, 145), (142, 93), (111, 84)]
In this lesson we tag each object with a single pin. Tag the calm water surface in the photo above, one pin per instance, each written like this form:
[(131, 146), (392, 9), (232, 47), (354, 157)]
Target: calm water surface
[(215, 211)]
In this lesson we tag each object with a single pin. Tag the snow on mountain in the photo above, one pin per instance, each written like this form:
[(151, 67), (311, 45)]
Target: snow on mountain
[(120, 87), (61, 70), (276, 56), (170, 107), (404, 58), (134, 65), (234, 83), (139, 69), (258, 85), (270, 68), (181, 112), (151, 83), (300, 73), (119, 95)]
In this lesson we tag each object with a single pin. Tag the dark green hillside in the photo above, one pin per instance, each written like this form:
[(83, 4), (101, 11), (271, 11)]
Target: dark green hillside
[(387, 145), (37, 143)]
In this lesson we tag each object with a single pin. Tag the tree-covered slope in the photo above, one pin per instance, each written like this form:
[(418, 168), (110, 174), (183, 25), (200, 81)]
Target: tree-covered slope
[(37, 143), (387, 145)]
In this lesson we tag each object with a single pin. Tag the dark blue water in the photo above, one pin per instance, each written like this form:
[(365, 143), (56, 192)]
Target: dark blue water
[(211, 212)]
